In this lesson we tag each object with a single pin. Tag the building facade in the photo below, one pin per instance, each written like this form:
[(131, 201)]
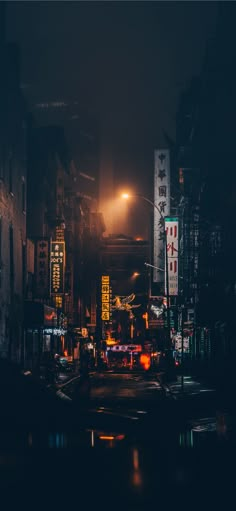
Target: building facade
[(13, 189)]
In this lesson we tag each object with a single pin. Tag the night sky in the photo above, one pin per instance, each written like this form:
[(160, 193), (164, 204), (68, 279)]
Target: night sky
[(127, 62)]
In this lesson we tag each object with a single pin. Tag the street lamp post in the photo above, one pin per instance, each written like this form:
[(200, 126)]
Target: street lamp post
[(146, 199)]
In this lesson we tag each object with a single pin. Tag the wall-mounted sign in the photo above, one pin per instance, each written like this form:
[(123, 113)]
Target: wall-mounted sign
[(156, 312), (162, 203), (172, 239), (105, 298), (60, 234), (41, 268), (57, 267)]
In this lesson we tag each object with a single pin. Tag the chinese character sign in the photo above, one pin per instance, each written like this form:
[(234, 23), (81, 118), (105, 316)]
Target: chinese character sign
[(41, 268), (57, 265), (172, 237), (105, 298), (162, 201)]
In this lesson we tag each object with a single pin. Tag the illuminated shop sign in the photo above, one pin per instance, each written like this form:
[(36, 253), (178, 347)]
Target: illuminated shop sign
[(57, 265), (132, 348), (172, 239), (105, 298), (156, 312)]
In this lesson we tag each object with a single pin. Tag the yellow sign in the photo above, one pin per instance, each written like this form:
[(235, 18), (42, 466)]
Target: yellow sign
[(105, 289), (105, 316), (105, 297), (105, 307), (105, 279), (111, 341)]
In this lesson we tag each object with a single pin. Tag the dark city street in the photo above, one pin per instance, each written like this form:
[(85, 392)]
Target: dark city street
[(135, 436), (117, 274)]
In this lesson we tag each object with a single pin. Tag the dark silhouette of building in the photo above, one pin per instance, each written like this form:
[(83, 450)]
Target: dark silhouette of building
[(205, 156), (13, 187)]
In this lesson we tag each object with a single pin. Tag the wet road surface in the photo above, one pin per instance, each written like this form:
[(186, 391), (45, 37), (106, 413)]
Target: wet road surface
[(136, 444)]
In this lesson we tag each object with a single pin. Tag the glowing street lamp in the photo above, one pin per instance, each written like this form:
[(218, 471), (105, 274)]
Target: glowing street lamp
[(135, 275), (146, 199)]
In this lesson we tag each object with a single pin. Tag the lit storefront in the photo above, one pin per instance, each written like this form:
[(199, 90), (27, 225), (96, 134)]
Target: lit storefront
[(42, 333)]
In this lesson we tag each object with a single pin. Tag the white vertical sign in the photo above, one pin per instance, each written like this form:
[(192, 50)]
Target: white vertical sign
[(172, 238), (162, 201)]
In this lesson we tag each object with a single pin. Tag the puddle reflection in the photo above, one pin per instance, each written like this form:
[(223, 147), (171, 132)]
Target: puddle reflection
[(136, 473)]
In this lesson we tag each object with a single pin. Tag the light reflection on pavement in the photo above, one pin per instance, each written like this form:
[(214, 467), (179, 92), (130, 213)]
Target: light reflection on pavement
[(119, 395)]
